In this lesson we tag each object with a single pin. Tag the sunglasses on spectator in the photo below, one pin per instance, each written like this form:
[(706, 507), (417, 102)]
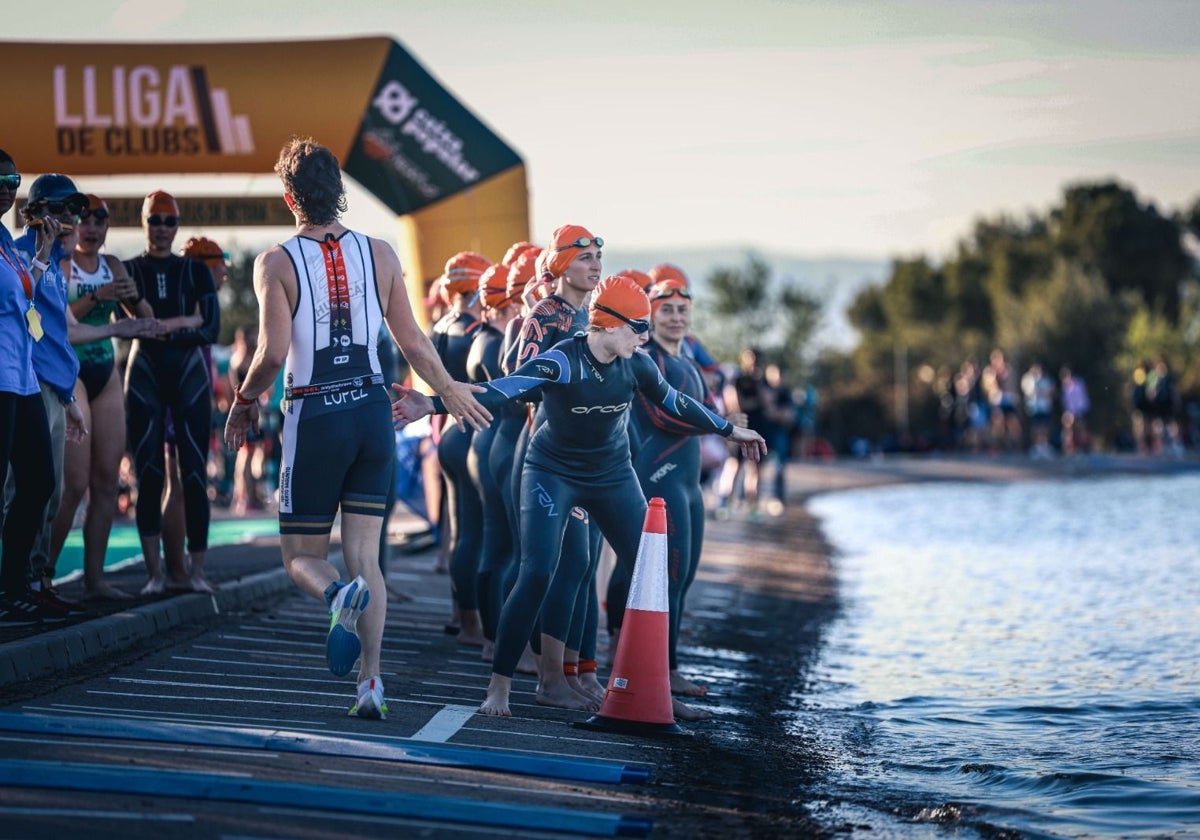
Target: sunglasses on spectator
[(641, 326), (99, 214), (57, 207), (582, 242), (162, 221), (11, 181)]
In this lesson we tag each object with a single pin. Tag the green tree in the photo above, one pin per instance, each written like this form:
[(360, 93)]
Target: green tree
[(746, 307)]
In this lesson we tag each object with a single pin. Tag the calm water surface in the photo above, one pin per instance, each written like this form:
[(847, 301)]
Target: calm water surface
[(1013, 658)]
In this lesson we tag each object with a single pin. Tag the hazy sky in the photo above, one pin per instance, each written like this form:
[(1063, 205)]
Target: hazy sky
[(841, 128)]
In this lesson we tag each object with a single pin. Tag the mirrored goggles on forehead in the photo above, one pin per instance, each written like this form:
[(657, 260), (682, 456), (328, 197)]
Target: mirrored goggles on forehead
[(11, 181), (663, 294), (99, 214), (641, 326), (583, 242)]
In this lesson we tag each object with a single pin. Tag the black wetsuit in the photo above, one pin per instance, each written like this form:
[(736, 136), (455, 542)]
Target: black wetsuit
[(452, 336), (572, 608), (578, 457), (667, 463), (483, 365), (172, 373)]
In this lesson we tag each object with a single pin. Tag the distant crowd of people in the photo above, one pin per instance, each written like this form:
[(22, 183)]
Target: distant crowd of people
[(994, 408)]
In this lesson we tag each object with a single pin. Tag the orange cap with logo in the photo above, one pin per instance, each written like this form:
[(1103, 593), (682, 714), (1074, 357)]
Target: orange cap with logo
[(493, 286), (666, 271), (564, 247), (159, 202), (622, 295), (463, 271)]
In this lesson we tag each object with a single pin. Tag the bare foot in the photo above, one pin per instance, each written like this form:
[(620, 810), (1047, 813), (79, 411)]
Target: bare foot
[(201, 584), (679, 685), (682, 711), (154, 586), (583, 691), (562, 696), (104, 592), (183, 585), (592, 685), (495, 703), (472, 639), (528, 663), (470, 628), (489, 650)]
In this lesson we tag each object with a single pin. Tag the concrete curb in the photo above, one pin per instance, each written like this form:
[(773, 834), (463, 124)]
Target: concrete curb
[(57, 650)]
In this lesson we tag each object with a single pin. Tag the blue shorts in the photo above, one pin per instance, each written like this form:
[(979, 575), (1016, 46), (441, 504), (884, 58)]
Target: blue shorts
[(341, 458)]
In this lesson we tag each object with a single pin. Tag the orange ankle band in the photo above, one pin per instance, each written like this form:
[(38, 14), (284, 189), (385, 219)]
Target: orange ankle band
[(571, 669), (587, 666)]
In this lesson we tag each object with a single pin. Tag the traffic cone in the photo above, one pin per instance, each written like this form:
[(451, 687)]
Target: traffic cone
[(638, 699)]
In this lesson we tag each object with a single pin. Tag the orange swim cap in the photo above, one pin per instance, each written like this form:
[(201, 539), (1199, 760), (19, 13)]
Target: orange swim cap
[(515, 250), (523, 270), (615, 298), (565, 245), (666, 271), (667, 289), (203, 248), (159, 202), (493, 286), (462, 273), (641, 278), (95, 202)]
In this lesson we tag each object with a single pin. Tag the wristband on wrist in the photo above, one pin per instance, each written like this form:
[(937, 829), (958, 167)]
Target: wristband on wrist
[(238, 399), (40, 265)]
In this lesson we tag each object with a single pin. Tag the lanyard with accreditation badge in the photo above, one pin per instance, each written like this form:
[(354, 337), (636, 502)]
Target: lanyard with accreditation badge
[(31, 314)]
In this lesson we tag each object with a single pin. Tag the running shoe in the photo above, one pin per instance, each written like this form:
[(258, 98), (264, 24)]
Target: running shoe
[(49, 598), (371, 703), (342, 646), (32, 606), (18, 615)]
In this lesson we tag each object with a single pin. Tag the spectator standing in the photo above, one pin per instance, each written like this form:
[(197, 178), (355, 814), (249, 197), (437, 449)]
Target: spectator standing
[(1075, 408), (53, 197), (25, 449)]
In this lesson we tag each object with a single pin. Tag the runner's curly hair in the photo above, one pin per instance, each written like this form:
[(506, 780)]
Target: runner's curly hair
[(312, 176)]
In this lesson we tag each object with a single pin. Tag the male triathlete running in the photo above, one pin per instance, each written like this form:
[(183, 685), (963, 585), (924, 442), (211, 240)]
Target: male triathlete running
[(322, 297)]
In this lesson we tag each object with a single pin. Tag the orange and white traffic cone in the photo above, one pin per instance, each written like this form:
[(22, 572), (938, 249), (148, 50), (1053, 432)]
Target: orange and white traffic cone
[(638, 699)]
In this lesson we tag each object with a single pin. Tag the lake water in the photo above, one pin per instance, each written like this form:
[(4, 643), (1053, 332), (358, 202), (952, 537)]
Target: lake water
[(1012, 660)]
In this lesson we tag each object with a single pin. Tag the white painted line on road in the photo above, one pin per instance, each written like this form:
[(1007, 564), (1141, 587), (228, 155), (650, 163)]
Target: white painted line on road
[(444, 724)]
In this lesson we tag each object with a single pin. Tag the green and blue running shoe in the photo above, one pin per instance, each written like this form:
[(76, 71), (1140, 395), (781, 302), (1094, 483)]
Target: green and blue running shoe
[(342, 646), (371, 703)]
